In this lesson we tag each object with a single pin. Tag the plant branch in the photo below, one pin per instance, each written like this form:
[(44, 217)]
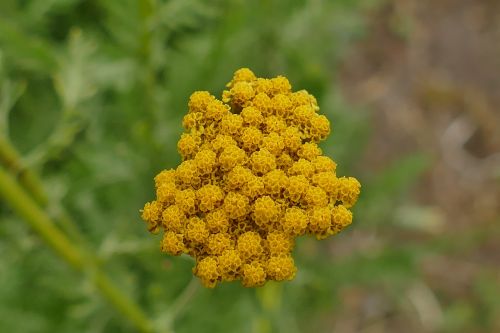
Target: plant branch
[(24, 206), (12, 161)]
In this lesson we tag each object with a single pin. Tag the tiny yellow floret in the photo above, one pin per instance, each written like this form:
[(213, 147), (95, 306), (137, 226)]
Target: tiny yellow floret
[(172, 243), (254, 274), (207, 269)]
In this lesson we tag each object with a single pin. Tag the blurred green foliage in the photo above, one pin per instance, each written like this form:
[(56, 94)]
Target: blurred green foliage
[(92, 94)]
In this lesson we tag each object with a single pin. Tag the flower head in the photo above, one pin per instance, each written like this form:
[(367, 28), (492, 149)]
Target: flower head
[(252, 179)]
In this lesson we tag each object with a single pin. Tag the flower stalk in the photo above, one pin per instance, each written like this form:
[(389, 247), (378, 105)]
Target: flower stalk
[(29, 180)]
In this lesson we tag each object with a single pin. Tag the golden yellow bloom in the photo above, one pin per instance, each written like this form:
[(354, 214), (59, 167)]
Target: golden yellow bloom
[(188, 174), (217, 221), (238, 177), (186, 201), (274, 183), (262, 161), (309, 151), (251, 139), (231, 124), (196, 230), (295, 221), (241, 94), (205, 161), (266, 212), (274, 124), (302, 97), (172, 243), (349, 189), (254, 274), (341, 217), (281, 85), (242, 74), (281, 105), (292, 139), (249, 245), (218, 243), (209, 197), (320, 220), (215, 110), (279, 243), (273, 143), (151, 213), (222, 141), (315, 197), (231, 156), (173, 219), (281, 268), (262, 102), (236, 205), (302, 167), (252, 179), (187, 145), (165, 193), (284, 162), (165, 177), (319, 127), (252, 116), (230, 264), (297, 186), (253, 188), (199, 101), (327, 181), (207, 269)]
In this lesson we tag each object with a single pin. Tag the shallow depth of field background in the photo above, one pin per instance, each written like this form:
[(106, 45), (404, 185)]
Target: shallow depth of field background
[(92, 94)]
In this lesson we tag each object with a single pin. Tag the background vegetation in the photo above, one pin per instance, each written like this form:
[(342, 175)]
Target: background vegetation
[(91, 97)]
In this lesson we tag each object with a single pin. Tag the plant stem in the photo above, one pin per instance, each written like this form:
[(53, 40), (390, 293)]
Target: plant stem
[(25, 207), (184, 297), (11, 159)]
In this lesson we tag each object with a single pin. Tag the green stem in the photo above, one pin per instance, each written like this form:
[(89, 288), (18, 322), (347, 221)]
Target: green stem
[(183, 299), (24, 205), (269, 297), (11, 159)]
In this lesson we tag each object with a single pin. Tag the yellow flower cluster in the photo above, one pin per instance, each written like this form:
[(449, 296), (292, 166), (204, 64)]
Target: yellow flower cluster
[(252, 180)]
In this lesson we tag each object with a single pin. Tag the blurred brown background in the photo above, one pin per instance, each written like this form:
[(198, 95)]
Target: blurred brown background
[(430, 73)]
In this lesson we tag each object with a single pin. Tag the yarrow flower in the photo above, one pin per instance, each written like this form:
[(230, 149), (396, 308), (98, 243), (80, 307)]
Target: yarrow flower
[(253, 178)]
